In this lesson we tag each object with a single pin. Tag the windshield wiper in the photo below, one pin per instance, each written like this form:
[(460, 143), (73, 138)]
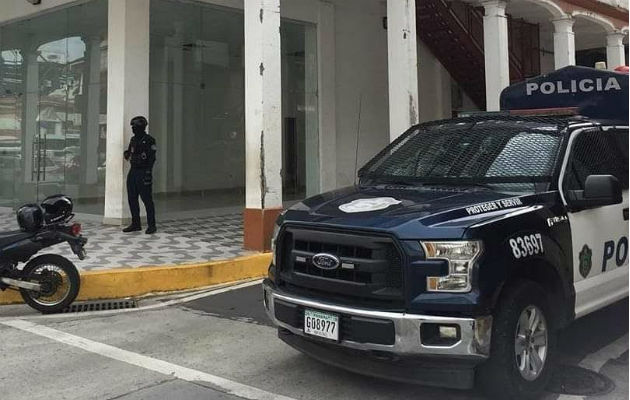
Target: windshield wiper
[(472, 184), (396, 182)]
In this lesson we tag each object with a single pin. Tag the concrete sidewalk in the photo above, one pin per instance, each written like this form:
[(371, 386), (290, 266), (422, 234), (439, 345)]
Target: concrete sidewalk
[(186, 253), (178, 241)]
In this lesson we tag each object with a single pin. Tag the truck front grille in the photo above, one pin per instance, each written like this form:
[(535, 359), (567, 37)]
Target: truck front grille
[(371, 265)]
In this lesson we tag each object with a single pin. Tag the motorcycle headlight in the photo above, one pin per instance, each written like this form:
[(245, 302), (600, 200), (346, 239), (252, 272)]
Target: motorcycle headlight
[(461, 257)]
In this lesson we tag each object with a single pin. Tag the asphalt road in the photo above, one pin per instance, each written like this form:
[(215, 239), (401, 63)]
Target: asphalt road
[(222, 346)]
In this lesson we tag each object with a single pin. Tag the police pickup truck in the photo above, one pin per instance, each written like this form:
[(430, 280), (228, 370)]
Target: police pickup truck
[(467, 243)]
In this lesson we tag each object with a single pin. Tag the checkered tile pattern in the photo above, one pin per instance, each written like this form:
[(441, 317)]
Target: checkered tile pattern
[(176, 242)]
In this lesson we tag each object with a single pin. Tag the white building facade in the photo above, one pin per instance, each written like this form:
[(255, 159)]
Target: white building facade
[(256, 103)]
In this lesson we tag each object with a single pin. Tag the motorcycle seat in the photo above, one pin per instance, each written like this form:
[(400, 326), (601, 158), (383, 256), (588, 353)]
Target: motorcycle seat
[(7, 238)]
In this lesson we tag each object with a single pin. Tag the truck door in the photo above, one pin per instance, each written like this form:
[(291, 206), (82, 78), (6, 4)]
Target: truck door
[(599, 235)]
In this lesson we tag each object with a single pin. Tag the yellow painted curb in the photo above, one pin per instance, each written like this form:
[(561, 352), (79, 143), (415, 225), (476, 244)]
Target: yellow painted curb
[(131, 282)]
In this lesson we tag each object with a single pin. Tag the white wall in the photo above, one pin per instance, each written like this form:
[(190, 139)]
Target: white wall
[(616, 3), (468, 104), (361, 76), (434, 84)]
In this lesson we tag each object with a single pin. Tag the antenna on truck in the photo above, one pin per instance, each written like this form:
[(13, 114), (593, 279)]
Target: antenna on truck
[(356, 150)]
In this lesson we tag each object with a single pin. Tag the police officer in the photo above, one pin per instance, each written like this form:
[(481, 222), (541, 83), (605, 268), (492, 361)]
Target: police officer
[(141, 155)]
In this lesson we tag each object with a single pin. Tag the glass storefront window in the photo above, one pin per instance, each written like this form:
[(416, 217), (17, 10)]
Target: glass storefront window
[(53, 75), (197, 106), (300, 132), (196, 102)]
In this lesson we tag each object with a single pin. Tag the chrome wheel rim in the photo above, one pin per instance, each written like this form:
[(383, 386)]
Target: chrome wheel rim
[(531, 343), (56, 285)]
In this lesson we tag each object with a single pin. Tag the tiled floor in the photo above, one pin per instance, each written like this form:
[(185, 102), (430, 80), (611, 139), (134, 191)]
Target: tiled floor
[(184, 240)]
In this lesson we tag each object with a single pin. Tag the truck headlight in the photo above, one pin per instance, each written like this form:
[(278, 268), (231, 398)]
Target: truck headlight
[(274, 237), (461, 257)]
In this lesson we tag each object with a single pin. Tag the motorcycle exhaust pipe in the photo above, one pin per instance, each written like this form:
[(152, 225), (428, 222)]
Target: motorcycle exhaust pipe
[(21, 284)]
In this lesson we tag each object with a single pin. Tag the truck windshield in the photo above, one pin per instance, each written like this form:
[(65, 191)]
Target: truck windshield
[(512, 155)]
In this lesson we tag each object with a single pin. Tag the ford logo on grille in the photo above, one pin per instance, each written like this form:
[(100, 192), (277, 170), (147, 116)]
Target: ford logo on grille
[(325, 261)]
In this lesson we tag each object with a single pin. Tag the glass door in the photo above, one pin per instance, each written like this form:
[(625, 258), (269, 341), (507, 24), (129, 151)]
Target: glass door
[(53, 105), (300, 131), (11, 72)]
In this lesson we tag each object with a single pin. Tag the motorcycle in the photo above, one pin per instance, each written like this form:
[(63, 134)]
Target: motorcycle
[(49, 283)]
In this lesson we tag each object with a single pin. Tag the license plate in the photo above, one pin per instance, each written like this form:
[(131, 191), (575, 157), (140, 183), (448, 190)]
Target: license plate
[(322, 324)]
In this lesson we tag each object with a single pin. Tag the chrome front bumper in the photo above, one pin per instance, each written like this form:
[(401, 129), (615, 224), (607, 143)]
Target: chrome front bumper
[(473, 343)]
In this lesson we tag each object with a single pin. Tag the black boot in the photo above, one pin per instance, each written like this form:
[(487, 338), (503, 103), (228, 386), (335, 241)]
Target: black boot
[(132, 228), (151, 230)]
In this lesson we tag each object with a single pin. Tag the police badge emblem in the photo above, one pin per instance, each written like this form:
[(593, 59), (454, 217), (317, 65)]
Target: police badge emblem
[(586, 256), (366, 205)]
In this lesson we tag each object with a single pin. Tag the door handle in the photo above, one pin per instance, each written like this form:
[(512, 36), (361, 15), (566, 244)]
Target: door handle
[(625, 214)]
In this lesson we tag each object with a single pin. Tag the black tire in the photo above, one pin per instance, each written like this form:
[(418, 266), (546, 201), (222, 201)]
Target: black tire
[(74, 282), (500, 377)]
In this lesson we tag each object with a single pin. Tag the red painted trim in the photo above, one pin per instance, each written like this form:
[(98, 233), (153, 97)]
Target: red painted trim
[(258, 227)]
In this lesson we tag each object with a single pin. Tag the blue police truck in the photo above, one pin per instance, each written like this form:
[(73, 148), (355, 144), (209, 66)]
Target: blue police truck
[(467, 243)]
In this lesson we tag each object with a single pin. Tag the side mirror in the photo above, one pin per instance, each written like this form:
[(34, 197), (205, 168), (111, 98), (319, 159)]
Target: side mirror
[(599, 190)]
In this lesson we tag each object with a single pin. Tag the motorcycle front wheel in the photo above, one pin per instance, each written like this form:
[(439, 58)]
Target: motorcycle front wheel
[(59, 280)]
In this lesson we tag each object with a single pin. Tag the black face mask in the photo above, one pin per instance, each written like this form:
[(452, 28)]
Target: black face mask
[(137, 129)]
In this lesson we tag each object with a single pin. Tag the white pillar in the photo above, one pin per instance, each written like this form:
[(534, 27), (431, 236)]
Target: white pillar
[(31, 114), (402, 66), (615, 52), (263, 121), (93, 111), (496, 55), (127, 95), (563, 42)]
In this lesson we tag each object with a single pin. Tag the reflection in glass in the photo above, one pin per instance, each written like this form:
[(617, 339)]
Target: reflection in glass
[(53, 105), (197, 105), (300, 133)]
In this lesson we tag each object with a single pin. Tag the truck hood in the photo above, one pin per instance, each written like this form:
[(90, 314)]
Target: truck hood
[(409, 212)]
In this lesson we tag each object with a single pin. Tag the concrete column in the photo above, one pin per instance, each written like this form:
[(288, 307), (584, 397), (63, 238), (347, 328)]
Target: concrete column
[(402, 66), (496, 55), (563, 42), (263, 122), (326, 95), (90, 147), (615, 52), (31, 120), (127, 95)]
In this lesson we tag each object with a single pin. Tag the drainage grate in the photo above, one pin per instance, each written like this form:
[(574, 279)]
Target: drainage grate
[(573, 380), (100, 306)]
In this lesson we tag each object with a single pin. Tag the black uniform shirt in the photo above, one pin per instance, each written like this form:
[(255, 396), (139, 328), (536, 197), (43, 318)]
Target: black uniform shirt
[(142, 151)]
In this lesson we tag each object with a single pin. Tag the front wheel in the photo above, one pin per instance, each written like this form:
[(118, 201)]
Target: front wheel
[(59, 280), (523, 345)]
